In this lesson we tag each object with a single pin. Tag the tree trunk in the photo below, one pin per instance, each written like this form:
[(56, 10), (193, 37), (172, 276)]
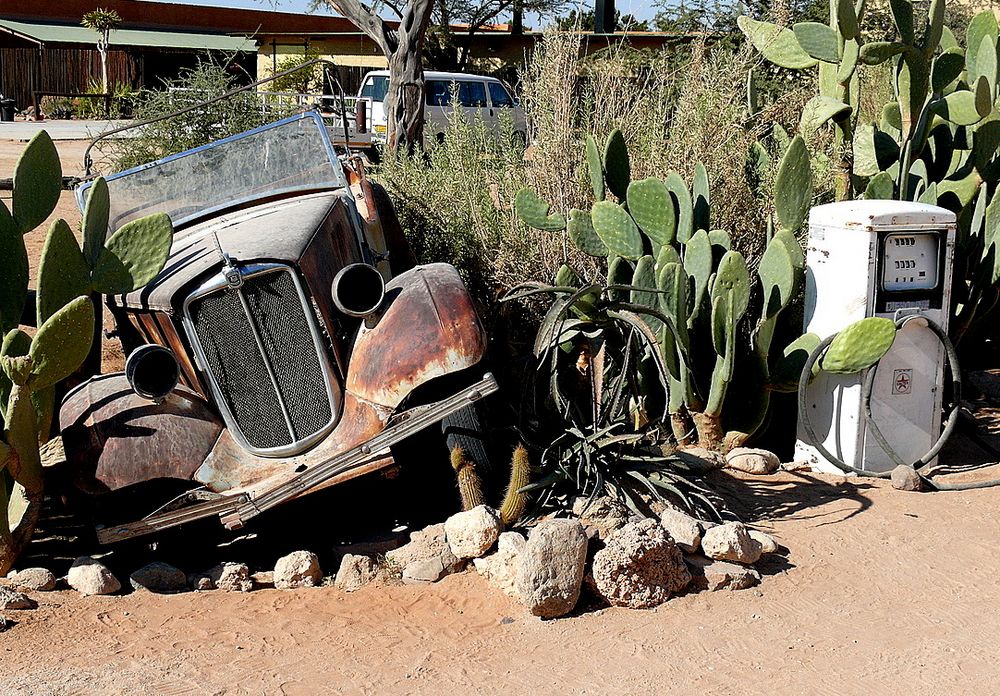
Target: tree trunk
[(404, 104), (104, 71)]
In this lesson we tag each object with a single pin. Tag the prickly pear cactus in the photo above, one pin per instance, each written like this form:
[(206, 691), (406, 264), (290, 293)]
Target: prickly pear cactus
[(859, 346)]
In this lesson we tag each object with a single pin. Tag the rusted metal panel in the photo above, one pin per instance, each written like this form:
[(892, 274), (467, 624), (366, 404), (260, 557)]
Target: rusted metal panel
[(172, 340), (429, 328), (114, 438)]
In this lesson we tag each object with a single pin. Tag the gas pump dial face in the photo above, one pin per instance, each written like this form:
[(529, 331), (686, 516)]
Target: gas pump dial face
[(910, 262)]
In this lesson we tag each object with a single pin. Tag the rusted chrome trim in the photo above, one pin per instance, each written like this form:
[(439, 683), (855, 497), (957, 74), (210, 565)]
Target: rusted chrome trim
[(218, 283), (166, 520)]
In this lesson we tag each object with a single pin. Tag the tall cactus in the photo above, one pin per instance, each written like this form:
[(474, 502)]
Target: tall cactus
[(683, 278)]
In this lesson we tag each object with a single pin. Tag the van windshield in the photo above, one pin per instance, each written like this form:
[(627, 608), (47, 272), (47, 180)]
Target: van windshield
[(294, 154), (375, 88)]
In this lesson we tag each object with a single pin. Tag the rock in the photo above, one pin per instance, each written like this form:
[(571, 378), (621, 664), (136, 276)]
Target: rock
[(905, 478), (12, 599), (712, 575), (472, 533), (682, 528), (640, 567), (766, 541), (752, 461), (39, 579), (355, 572), (730, 542), (551, 568), (90, 577), (603, 516), (263, 578), (159, 577), (202, 583), (6, 624), (426, 558), (700, 459), (297, 569), (500, 568), (231, 577)]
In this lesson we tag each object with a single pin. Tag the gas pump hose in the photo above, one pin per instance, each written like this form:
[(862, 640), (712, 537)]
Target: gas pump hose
[(866, 394)]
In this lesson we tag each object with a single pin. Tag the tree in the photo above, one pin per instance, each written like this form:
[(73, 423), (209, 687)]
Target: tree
[(402, 46), (584, 21), (103, 22)]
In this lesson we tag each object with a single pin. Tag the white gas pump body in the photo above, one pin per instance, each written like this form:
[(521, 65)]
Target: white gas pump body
[(875, 258)]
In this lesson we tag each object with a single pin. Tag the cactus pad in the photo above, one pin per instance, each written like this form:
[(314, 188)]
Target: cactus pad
[(787, 369), (777, 277), (581, 233), (775, 43), (95, 220), (620, 272), (860, 345), (700, 197), (616, 229), (63, 273), (902, 15), (651, 208), (733, 280), (880, 187), (14, 279), (617, 169), (37, 183), (644, 276), (682, 202), (793, 185), (534, 212), (698, 264), (595, 165), (133, 255), (818, 40), (62, 343), (819, 110)]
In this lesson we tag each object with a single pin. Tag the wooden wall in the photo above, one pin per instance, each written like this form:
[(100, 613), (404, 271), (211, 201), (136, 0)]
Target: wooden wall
[(23, 69)]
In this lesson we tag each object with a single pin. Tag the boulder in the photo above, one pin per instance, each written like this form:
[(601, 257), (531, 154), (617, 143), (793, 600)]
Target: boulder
[(640, 566), (91, 577), (710, 575), (730, 542), (682, 528), (551, 567), (38, 579), (766, 541), (472, 533), (355, 572), (12, 599), (159, 577), (231, 577), (701, 459), (905, 478), (752, 461), (602, 517), (297, 569), (426, 558), (500, 567)]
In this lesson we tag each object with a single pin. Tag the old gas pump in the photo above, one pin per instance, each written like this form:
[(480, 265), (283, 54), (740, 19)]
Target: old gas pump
[(886, 259)]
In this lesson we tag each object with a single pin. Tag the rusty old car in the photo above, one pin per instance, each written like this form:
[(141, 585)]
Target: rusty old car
[(288, 343)]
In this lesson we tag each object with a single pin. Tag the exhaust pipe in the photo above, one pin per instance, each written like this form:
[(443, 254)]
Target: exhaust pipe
[(358, 290), (361, 115), (152, 371)]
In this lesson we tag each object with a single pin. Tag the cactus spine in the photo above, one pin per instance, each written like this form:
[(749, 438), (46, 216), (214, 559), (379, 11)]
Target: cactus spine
[(515, 501), (470, 487)]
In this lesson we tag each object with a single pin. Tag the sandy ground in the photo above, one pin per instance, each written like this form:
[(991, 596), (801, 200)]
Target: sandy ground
[(877, 592)]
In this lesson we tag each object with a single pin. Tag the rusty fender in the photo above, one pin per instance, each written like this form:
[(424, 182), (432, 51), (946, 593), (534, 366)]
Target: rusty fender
[(427, 328), (114, 438)]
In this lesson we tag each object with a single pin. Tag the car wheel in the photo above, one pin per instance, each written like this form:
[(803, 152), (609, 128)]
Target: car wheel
[(465, 429)]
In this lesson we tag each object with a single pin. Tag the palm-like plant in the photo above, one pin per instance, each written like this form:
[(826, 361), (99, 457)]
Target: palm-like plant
[(103, 22)]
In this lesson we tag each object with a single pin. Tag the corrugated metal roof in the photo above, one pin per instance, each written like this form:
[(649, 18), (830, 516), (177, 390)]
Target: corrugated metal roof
[(68, 33)]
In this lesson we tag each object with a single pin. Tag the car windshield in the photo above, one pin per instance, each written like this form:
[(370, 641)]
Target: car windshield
[(294, 154), (375, 88)]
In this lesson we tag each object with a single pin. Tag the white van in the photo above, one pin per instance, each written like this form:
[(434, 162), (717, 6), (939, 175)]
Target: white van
[(477, 94)]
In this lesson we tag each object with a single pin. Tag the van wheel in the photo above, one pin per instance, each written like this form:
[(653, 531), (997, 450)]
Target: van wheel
[(439, 138), (465, 429)]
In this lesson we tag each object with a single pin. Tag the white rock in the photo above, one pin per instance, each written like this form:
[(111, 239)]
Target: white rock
[(426, 558), (682, 528), (297, 569), (766, 541), (640, 567), (752, 461), (12, 599), (231, 577), (904, 478), (39, 579), (730, 542), (602, 516), (551, 568), (500, 568), (91, 577), (721, 575), (159, 577), (472, 533), (355, 572)]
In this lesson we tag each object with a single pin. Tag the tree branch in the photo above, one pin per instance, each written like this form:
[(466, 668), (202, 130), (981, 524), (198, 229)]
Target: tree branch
[(367, 21)]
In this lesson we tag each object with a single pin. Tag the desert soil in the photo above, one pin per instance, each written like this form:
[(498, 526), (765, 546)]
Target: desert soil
[(877, 591)]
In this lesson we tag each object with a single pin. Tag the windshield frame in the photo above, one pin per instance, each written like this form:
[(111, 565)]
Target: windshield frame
[(335, 166)]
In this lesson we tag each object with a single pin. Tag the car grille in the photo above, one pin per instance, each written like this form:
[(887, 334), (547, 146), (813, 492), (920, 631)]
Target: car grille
[(262, 352)]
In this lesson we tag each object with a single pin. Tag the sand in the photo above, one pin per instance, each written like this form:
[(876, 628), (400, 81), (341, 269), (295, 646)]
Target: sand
[(876, 592)]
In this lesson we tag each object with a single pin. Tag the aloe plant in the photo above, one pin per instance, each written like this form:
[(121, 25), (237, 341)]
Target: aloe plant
[(687, 286), (69, 280)]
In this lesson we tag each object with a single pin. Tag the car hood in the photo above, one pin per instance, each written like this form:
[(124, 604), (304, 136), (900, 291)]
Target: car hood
[(278, 231)]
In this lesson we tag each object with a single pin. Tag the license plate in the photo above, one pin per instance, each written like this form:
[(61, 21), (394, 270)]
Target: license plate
[(380, 129)]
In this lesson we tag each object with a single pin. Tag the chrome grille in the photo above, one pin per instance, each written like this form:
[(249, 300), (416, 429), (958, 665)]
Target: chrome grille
[(262, 353)]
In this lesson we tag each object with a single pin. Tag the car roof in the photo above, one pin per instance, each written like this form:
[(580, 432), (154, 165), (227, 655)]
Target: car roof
[(437, 75)]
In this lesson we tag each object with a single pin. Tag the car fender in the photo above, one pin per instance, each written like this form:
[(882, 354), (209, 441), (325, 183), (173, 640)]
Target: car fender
[(114, 438), (427, 328)]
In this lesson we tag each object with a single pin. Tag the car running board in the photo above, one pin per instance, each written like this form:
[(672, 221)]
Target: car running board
[(236, 510)]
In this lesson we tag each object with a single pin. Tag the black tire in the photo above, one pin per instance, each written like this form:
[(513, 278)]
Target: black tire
[(465, 429)]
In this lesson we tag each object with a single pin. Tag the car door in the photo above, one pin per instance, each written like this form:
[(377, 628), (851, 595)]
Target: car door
[(475, 104), (503, 104)]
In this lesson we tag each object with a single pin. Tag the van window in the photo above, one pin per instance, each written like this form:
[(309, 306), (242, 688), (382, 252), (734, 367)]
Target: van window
[(472, 93), (438, 93), (375, 88), (499, 95)]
